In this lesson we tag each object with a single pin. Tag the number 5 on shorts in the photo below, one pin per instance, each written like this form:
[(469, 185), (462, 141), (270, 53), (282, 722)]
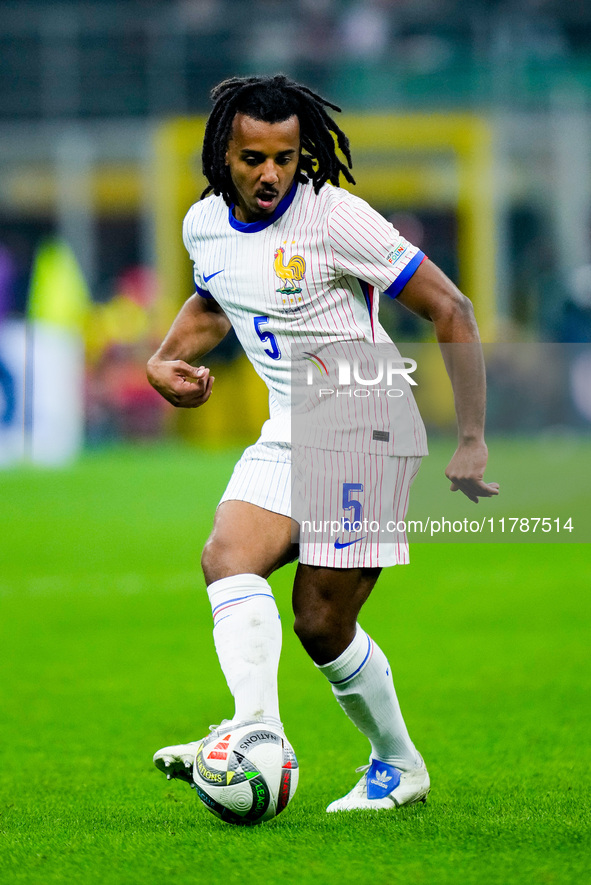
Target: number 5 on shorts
[(350, 503)]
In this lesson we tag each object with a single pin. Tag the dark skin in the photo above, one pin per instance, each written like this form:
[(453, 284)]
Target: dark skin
[(262, 159)]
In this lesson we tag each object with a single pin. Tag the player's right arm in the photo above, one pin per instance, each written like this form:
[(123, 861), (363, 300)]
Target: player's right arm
[(198, 327)]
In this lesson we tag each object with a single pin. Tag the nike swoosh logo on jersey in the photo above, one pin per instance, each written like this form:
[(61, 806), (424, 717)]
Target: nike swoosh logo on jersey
[(207, 279), (339, 546)]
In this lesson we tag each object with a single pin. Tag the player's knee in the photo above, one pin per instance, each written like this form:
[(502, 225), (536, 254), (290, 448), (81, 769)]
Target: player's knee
[(213, 561), (221, 558)]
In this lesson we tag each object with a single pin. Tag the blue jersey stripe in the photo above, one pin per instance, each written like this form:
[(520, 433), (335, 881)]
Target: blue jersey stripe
[(368, 295), (402, 279)]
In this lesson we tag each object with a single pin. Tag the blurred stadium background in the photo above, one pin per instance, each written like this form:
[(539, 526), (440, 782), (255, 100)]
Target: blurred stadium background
[(470, 129)]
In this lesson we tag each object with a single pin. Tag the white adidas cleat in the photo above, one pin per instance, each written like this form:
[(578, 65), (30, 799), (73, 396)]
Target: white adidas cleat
[(177, 761), (384, 787)]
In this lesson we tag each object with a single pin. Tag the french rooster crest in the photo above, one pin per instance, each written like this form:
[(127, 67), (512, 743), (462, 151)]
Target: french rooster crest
[(290, 273)]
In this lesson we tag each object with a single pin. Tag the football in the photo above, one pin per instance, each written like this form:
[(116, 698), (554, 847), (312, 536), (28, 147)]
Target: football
[(247, 774)]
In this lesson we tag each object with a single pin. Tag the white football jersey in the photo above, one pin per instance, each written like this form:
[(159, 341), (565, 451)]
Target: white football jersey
[(304, 278)]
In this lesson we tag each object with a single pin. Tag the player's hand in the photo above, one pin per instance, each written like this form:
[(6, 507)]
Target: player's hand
[(466, 472), (181, 384)]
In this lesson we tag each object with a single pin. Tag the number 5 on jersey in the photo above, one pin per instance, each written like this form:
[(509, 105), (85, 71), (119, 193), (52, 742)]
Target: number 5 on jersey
[(273, 351)]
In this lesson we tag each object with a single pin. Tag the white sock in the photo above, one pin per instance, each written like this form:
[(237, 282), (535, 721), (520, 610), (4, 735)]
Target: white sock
[(362, 684), (247, 636)]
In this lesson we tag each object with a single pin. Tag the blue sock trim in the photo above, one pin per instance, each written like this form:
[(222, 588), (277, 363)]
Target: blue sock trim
[(359, 668), (240, 599)]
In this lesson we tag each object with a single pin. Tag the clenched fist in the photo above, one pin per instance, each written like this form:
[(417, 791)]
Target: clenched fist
[(181, 384)]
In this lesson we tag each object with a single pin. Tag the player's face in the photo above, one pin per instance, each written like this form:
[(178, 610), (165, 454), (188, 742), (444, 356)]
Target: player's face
[(263, 159)]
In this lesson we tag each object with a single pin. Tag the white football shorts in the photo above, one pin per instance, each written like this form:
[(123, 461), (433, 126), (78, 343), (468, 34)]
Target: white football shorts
[(262, 476), (350, 506)]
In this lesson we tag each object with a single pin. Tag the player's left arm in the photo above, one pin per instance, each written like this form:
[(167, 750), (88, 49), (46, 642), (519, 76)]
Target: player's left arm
[(432, 295)]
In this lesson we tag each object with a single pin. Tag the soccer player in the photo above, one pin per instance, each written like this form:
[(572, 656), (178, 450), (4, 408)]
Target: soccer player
[(288, 259)]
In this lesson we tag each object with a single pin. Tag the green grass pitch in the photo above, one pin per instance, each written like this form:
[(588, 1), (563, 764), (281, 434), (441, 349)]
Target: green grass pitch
[(106, 654)]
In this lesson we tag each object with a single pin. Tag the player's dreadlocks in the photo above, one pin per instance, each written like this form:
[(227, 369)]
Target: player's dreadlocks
[(273, 100)]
